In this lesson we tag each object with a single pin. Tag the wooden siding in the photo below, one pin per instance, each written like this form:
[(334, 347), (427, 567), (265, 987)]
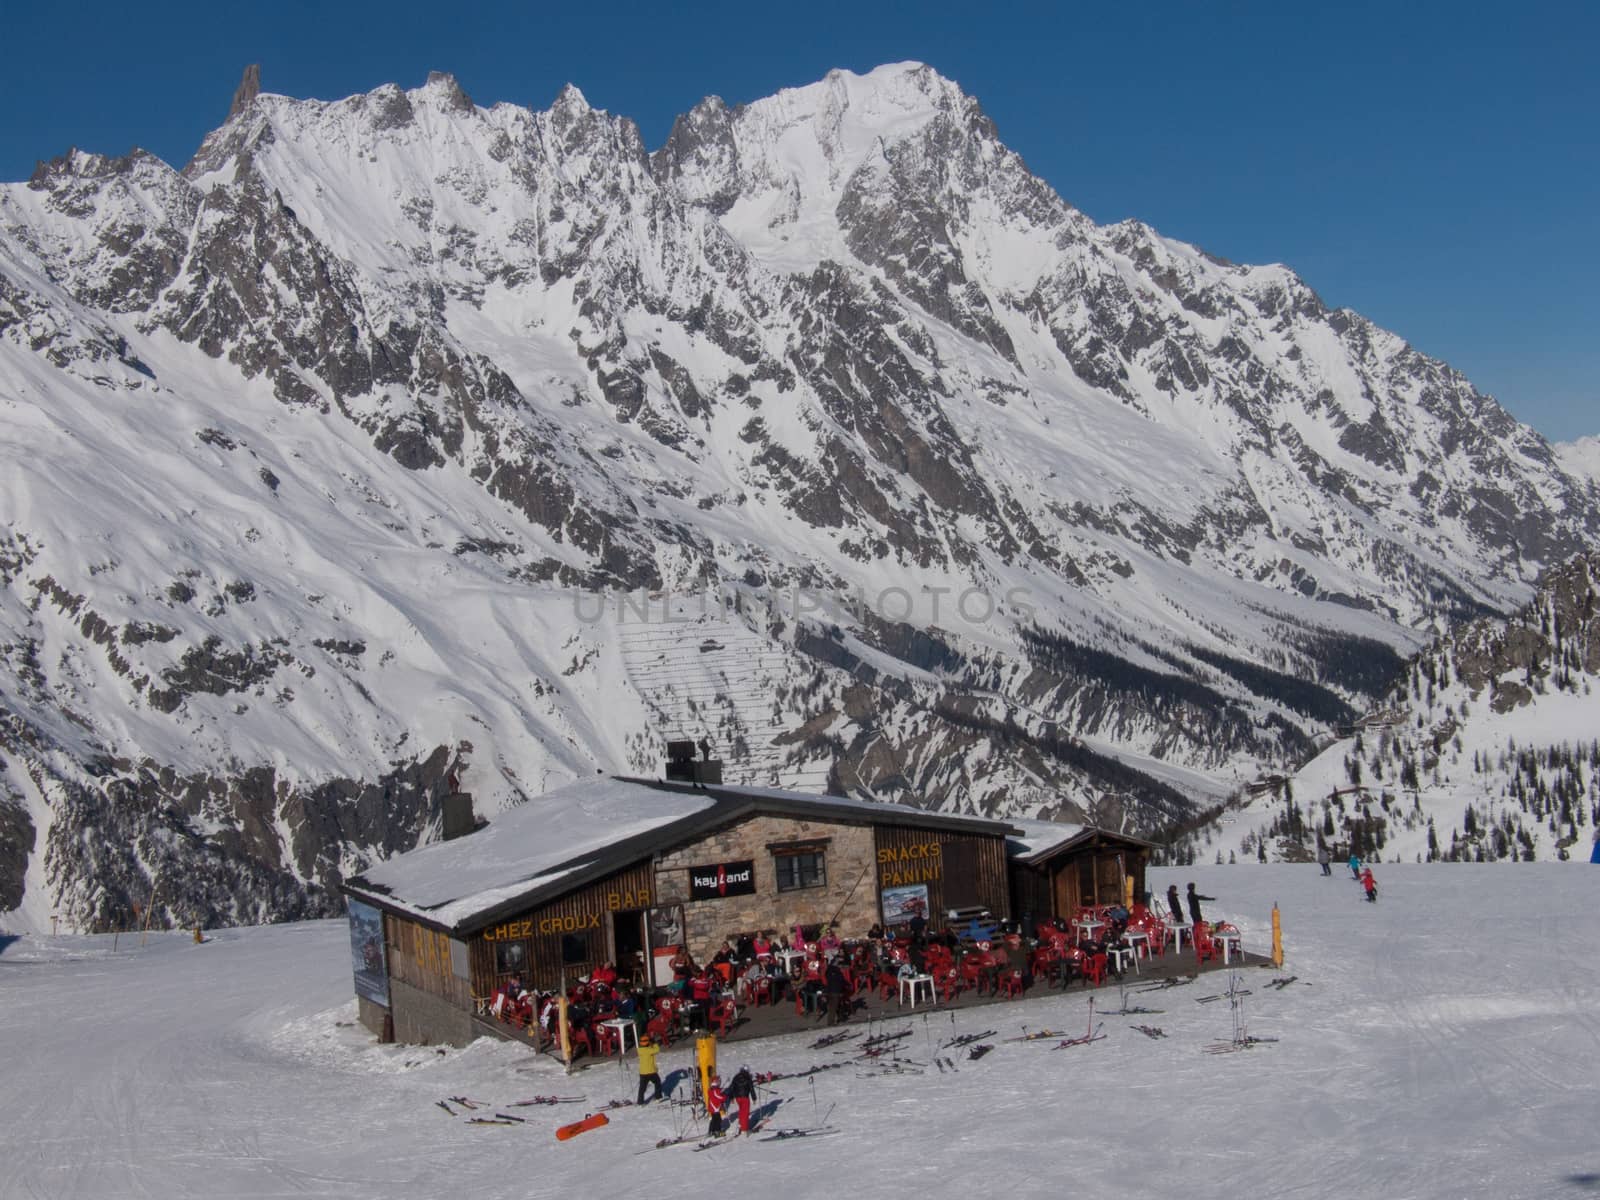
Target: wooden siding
[(580, 920), (960, 869), (1030, 895), (421, 957)]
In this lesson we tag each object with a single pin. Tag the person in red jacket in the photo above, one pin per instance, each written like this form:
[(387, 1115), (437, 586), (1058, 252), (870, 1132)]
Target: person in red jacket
[(716, 1105), (1371, 884)]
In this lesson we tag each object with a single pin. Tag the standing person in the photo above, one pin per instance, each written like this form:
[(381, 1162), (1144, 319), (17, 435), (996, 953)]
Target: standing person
[(716, 1105), (1371, 884), (1194, 903), (1324, 858), (742, 1090), (1175, 904), (837, 987), (648, 1072), (1355, 867)]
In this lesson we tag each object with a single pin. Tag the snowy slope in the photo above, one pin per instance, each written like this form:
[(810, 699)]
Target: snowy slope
[(399, 443), (1487, 749), (1415, 1058)]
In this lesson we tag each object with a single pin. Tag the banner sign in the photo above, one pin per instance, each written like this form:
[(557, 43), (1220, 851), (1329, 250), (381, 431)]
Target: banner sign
[(723, 879), (366, 953)]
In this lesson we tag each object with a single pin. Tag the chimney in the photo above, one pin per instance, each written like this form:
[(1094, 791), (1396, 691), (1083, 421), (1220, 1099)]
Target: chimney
[(457, 813), (682, 767)]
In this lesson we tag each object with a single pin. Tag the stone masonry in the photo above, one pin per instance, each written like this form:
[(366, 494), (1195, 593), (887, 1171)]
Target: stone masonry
[(851, 888)]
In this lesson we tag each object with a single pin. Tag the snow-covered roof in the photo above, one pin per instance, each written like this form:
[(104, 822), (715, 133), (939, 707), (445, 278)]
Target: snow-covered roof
[(568, 836), (1037, 840)]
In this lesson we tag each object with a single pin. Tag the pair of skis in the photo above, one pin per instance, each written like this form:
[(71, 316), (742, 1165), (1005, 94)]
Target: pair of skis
[(1093, 1034), (966, 1039), (547, 1100)]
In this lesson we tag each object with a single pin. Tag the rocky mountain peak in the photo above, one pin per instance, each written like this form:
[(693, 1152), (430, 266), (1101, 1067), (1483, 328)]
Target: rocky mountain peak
[(249, 88)]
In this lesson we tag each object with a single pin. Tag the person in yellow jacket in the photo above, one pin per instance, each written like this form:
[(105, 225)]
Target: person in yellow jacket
[(647, 1068)]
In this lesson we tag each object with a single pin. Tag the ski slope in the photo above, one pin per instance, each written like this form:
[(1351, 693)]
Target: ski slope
[(1442, 1043)]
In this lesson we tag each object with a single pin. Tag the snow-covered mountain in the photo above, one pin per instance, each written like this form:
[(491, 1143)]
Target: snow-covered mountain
[(399, 442), (1487, 749)]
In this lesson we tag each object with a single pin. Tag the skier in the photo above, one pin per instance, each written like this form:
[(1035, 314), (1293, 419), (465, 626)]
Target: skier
[(742, 1090), (1175, 904), (1324, 858), (1355, 867), (648, 1074), (716, 1105), (1194, 903), (1371, 884)]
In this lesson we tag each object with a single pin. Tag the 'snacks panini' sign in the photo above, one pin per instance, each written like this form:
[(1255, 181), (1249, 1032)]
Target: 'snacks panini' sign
[(722, 879)]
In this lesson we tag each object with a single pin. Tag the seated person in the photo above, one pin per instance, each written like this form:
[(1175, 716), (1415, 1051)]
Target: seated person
[(605, 973), (682, 969), (761, 944)]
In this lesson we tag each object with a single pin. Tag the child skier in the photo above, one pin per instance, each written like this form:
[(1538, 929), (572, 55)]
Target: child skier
[(716, 1105), (1371, 884)]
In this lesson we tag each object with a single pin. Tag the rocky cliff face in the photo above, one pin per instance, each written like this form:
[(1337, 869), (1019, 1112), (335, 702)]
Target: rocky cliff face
[(398, 436)]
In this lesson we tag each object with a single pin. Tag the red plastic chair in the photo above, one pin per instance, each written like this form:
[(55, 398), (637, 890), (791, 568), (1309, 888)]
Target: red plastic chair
[(579, 1036), (662, 1026), (723, 1015), (1205, 945), (888, 985), (1010, 985), (1094, 969)]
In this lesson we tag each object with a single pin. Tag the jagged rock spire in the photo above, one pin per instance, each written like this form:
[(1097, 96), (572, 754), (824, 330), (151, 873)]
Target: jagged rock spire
[(249, 89)]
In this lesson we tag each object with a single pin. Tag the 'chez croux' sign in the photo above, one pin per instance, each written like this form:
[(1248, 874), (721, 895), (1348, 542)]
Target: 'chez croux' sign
[(569, 922)]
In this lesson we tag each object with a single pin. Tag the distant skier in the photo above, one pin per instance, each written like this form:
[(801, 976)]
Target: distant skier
[(1194, 903), (1355, 867), (1324, 859), (1371, 884)]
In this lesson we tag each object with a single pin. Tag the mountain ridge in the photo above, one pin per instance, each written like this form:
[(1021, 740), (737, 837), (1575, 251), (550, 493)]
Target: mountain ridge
[(344, 420)]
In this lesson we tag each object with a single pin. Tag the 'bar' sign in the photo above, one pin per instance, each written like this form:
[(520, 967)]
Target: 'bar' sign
[(722, 879)]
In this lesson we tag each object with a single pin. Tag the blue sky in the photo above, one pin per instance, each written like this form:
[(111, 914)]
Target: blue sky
[(1434, 166)]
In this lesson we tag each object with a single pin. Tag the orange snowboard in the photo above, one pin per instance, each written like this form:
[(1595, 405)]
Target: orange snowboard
[(592, 1121)]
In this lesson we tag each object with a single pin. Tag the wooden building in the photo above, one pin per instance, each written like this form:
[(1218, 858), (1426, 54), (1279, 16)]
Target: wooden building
[(1057, 869), (626, 870)]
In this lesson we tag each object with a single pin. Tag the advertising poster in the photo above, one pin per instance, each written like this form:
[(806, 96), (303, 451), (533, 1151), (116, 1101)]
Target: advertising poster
[(366, 953), (723, 879), (900, 904)]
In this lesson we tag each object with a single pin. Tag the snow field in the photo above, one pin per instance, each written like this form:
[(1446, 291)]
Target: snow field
[(1440, 1043)]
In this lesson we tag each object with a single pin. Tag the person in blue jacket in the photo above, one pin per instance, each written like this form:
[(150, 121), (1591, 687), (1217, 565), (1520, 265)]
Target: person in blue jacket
[(1355, 867)]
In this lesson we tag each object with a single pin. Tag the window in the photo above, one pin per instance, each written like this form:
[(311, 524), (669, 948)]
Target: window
[(510, 957), (802, 870), (575, 949)]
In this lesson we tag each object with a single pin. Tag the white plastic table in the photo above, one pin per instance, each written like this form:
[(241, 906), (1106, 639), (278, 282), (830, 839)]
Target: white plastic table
[(1087, 926), (912, 985), (623, 1026), (1137, 938), (1231, 940)]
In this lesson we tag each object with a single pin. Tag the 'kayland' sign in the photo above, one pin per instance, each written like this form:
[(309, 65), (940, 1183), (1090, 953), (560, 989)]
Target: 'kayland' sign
[(722, 879)]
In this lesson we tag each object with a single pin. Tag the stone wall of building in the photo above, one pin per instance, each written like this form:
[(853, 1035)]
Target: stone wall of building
[(849, 858)]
